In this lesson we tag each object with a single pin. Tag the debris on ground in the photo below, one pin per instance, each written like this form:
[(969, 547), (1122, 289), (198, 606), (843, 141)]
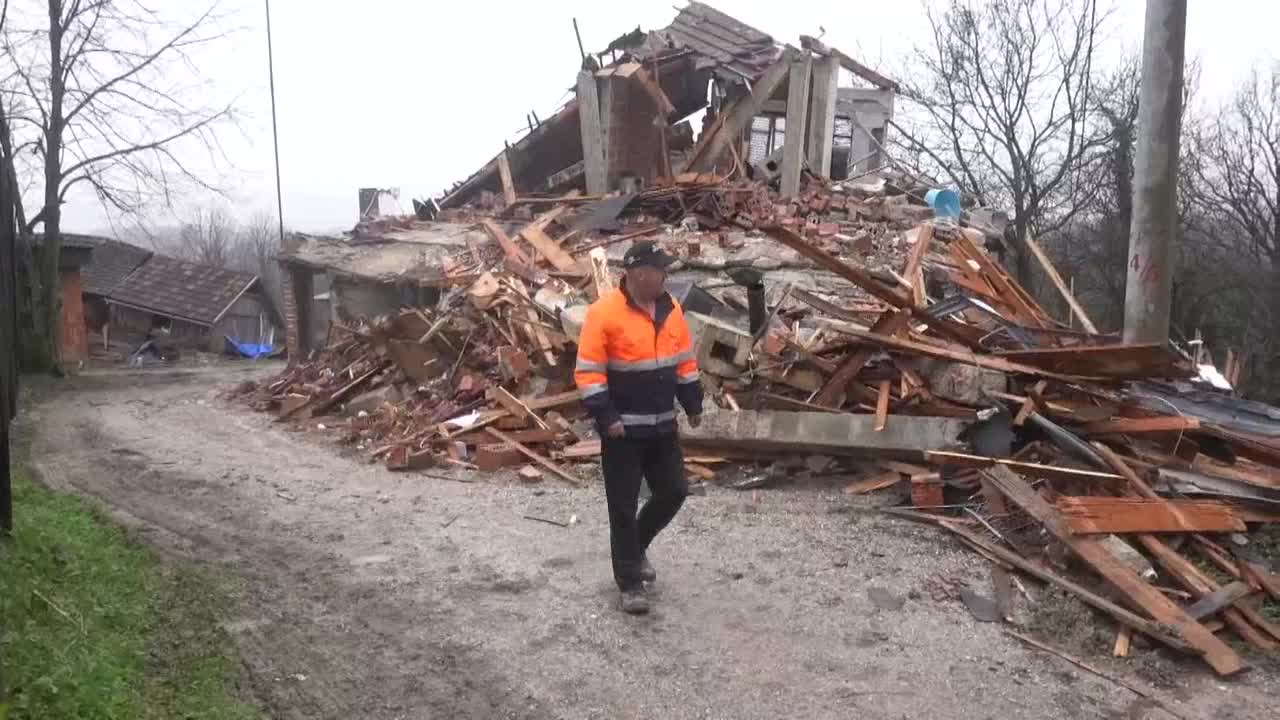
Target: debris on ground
[(847, 332)]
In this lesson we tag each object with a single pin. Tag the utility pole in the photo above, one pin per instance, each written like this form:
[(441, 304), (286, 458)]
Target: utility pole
[(275, 134), (1153, 233)]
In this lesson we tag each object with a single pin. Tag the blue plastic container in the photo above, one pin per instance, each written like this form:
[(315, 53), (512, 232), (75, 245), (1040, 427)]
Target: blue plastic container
[(945, 203)]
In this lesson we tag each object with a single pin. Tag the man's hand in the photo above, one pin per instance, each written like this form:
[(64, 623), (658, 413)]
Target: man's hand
[(695, 421), (617, 430)]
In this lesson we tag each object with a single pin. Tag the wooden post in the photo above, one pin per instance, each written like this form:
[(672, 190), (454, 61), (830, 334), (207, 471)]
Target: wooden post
[(797, 116), (504, 174)]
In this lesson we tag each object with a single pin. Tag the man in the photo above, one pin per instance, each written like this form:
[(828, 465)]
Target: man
[(635, 358)]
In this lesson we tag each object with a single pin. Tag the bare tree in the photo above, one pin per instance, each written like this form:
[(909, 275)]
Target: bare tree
[(1004, 91), (102, 94), (209, 238), (1234, 160)]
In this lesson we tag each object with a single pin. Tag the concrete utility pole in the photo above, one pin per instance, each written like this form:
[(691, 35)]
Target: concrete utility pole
[(1153, 233)]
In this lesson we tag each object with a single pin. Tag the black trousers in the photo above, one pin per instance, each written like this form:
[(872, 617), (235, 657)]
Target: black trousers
[(626, 461)]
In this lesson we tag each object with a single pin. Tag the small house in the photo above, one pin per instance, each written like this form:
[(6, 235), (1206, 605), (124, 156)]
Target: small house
[(194, 305)]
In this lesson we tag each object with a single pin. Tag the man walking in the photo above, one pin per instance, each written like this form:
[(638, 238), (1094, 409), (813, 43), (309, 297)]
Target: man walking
[(635, 358)]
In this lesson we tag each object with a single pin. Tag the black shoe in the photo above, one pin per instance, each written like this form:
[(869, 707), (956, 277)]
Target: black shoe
[(634, 602), (647, 573)]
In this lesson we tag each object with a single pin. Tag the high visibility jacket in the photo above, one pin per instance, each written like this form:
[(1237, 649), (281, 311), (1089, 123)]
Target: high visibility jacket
[(631, 367)]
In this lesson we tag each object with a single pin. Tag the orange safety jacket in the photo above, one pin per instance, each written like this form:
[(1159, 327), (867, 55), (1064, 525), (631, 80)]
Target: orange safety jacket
[(632, 367)]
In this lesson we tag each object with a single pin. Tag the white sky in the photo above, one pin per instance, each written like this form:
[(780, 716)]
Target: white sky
[(416, 95)]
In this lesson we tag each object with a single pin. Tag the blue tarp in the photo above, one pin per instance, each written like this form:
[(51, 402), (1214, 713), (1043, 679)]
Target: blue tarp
[(249, 350)]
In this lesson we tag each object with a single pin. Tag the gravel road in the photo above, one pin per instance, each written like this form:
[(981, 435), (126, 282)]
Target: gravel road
[(361, 593)]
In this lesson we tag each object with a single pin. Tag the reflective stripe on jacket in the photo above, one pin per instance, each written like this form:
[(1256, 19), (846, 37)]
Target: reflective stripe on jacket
[(632, 367)]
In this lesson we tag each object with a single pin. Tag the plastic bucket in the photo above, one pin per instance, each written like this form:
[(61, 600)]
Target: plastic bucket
[(945, 203)]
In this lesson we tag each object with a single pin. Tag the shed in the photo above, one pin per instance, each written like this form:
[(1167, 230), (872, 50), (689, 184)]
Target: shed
[(196, 304)]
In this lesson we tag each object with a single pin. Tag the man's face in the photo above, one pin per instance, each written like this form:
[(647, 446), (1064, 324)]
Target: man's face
[(646, 283)]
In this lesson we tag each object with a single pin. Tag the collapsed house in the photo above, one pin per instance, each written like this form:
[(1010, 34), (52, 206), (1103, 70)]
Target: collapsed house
[(628, 121), (845, 330)]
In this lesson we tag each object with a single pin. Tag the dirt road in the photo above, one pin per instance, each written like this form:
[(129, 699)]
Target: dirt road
[(366, 594)]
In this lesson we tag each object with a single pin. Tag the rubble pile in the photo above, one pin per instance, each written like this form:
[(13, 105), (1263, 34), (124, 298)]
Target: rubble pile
[(903, 359)]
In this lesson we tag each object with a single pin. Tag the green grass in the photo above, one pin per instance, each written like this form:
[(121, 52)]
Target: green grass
[(92, 626)]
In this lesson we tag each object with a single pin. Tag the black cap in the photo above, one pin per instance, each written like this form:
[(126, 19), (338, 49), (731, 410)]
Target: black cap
[(646, 252)]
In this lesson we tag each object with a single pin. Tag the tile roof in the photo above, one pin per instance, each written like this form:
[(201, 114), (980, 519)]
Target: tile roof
[(112, 261), (723, 39), (181, 289)]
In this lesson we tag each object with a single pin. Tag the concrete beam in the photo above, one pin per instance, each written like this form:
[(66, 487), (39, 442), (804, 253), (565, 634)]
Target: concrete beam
[(770, 432), (593, 144), (1148, 294), (797, 124), (822, 114)]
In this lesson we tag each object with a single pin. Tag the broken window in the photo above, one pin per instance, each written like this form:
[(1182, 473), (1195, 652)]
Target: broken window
[(768, 133)]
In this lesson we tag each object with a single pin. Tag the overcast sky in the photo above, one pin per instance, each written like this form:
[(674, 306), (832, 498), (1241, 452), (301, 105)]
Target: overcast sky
[(416, 95)]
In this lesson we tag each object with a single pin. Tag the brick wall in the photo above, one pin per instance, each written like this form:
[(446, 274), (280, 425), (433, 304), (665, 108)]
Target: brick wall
[(634, 144), (73, 336)]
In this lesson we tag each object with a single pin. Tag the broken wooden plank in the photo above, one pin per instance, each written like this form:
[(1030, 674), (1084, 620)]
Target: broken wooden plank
[(513, 251), (1036, 470), (1124, 640), (548, 249), (1243, 620), (504, 174), (1155, 630), (829, 262), (534, 328), (515, 407), (699, 471), (322, 406), (912, 272), (1219, 600), (1159, 423), (961, 356), (535, 435), (1216, 653), (1059, 283), (1033, 401), (654, 91), (871, 484), (1007, 289), (889, 323), (882, 405), (550, 466), (582, 449), (1106, 515), (1136, 360)]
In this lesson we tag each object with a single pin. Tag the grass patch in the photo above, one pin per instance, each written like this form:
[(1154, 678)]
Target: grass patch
[(92, 626)]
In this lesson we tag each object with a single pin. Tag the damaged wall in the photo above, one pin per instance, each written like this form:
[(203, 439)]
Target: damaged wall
[(354, 298)]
